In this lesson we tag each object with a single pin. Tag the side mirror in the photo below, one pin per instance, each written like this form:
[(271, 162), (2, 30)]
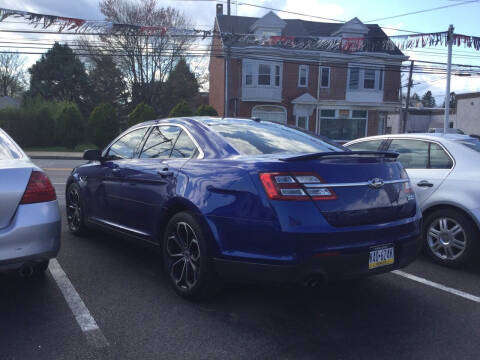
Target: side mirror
[(92, 155)]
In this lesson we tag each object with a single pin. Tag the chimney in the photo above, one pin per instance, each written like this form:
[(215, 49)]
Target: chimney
[(219, 9)]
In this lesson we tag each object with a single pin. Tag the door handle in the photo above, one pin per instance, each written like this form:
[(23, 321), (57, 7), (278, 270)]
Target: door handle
[(165, 172), (425, 183)]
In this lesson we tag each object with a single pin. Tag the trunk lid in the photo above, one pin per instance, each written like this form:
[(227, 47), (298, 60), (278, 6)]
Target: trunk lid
[(368, 188), (14, 176)]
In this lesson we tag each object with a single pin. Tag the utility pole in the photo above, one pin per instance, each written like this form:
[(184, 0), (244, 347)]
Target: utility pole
[(409, 85), (228, 8), (449, 72), (227, 72)]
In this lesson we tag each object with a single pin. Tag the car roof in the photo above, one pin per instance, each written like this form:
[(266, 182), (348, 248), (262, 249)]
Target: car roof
[(424, 136)]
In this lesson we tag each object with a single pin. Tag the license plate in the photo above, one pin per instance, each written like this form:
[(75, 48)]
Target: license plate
[(381, 257)]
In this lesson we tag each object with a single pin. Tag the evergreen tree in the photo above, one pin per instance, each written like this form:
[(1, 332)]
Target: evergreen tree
[(107, 84), (103, 125), (142, 112), (60, 75), (206, 110), (70, 126), (181, 84), (181, 109), (428, 100)]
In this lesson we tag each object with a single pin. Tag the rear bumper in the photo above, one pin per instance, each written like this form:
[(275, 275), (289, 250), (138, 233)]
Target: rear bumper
[(335, 266), (33, 235)]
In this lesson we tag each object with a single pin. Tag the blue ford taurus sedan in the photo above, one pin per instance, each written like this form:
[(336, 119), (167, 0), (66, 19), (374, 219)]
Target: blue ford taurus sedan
[(239, 199)]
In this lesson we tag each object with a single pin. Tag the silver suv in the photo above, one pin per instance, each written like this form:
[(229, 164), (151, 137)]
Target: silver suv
[(445, 172)]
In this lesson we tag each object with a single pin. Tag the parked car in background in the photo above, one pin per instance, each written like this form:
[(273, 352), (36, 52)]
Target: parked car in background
[(238, 199), (29, 214), (445, 172)]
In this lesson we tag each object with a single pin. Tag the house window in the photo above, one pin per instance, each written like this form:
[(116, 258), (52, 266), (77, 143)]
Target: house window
[(302, 122), (342, 124), (263, 74), (248, 74), (325, 77), (271, 113), (277, 75), (303, 75), (354, 77), (369, 79)]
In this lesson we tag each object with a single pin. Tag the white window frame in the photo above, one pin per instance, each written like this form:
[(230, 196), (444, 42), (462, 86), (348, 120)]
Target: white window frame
[(300, 68), (255, 65), (307, 121), (321, 76), (281, 109), (361, 77), (319, 119)]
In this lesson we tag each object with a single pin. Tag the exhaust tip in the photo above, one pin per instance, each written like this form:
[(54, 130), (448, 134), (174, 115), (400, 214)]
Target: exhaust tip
[(26, 270)]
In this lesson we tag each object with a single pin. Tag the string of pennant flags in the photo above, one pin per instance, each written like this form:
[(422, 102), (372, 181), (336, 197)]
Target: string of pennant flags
[(78, 25), (392, 43)]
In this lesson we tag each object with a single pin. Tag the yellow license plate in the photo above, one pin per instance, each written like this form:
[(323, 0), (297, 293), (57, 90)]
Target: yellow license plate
[(381, 257)]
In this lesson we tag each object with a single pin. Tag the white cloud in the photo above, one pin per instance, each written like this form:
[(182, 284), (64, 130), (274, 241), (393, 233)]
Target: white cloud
[(310, 7)]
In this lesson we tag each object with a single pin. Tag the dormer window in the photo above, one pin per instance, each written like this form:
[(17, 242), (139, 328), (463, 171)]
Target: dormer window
[(268, 26)]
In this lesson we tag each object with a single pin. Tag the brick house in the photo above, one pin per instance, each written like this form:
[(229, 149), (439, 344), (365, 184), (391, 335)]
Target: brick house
[(342, 94)]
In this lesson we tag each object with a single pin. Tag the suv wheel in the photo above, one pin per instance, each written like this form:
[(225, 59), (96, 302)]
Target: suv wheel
[(450, 237)]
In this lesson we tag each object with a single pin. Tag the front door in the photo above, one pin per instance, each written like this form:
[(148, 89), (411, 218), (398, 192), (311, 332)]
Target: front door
[(426, 163)]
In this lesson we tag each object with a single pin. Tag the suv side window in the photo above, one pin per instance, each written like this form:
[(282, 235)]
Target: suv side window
[(413, 153), (160, 142), (184, 147), (124, 148), (368, 145), (439, 159)]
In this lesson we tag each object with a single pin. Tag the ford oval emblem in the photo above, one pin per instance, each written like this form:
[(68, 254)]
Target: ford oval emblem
[(376, 183)]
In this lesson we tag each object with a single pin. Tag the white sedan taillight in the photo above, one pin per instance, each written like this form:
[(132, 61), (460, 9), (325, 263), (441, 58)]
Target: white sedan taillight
[(39, 189)]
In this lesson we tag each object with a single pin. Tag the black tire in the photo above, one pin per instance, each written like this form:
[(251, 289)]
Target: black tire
[(75, 213), (40, 268), (187, 258), (450, 237)]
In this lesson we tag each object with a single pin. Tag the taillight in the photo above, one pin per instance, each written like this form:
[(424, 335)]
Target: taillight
[(295, 186), (407, 186), (39, 189)]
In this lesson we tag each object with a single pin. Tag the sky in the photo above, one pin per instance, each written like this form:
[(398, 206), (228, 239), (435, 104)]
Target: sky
[(464, 16)]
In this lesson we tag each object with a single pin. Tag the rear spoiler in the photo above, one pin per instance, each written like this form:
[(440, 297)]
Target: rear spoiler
[(332, 154)]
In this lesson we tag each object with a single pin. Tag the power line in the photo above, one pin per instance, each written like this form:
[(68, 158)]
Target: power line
[(423, 11)]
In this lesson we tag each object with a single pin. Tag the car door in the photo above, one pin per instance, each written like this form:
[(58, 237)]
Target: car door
[(105, 179), (150, 180), (427, 164)]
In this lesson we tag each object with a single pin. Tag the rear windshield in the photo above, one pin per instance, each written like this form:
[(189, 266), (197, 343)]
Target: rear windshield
[(473, 144), (270, 138), (8, 149)]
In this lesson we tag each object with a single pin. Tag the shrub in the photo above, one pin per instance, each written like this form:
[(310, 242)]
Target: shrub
[(181, 109), (43, 126), (70, 126), (103, 125), (141, 113), (206, 110)]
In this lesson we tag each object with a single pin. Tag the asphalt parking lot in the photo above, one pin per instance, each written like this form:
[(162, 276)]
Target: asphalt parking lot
[(426, 311)]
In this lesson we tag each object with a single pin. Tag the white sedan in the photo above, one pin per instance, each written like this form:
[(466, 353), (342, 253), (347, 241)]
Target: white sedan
[(445, 172)]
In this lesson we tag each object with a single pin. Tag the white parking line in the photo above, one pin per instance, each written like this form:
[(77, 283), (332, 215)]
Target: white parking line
[(435, 285), (84, 319)]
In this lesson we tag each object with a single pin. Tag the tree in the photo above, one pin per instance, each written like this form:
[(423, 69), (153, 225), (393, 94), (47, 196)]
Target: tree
[(181, 109), (142, 112), (70, 126), (59, 75), (103, 125), (206, 110), (12, 74), (145, 61), (107, 83), (453, 101), (428, 100), (181, 84)]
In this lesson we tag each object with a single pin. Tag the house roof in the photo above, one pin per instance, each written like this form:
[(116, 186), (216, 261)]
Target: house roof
[(467, 95), (305, 98), (298, 28)]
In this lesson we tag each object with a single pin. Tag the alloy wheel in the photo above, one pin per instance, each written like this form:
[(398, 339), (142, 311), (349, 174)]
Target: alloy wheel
[(74, 209), (446, 238), (183, 251)]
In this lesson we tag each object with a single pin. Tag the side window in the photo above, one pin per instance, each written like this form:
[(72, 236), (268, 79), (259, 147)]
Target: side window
[(124, 148), (439, 158), (370, 145), (184, 147), (160, 142), (413, 153)]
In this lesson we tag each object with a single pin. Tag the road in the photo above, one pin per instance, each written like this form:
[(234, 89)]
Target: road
[(140, 317)]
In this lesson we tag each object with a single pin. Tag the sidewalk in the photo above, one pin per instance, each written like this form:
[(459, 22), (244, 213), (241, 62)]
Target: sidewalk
[(59, 155)]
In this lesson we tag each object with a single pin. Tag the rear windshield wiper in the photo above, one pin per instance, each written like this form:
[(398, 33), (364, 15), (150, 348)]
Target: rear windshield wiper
[(320, 155)]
